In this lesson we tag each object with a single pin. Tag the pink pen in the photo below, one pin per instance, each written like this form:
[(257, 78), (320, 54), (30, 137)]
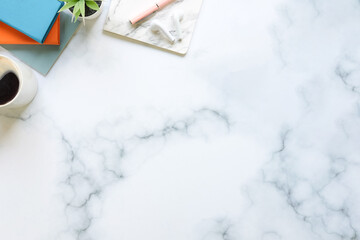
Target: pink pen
[(150, 11)]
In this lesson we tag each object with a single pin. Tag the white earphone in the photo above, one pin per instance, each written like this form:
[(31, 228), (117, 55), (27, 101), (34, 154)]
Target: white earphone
[(156, 26), (176, 19)]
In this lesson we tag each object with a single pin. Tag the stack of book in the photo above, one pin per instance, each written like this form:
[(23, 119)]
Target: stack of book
[(25, 24), (30, 22)]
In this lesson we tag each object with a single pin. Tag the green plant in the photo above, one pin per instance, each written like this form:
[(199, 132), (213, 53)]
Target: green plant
[(79, 7)]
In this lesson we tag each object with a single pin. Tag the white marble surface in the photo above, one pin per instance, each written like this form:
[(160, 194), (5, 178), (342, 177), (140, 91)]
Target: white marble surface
[(254, 134), (121, 11)]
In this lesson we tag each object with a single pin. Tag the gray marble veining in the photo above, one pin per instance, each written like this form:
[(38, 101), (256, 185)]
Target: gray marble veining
[(254, 134)]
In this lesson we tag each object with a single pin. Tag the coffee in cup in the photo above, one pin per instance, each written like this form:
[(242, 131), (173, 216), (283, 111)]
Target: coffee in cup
[(18, 85)]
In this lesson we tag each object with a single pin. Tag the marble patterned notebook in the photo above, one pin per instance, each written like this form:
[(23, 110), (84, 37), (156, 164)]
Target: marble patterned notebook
[(121, 11)]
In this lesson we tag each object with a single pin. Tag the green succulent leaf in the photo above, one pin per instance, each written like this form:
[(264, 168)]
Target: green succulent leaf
[(76, 11), (76, 15), (82, 7), (77, 6), (91, 4)]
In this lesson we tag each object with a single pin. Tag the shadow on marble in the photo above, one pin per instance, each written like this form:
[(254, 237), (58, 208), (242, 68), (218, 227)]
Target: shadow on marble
[(114, 35), (8, 117)]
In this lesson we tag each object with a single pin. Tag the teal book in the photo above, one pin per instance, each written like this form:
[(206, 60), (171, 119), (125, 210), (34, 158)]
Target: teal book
[(34, 18), (43, 57)]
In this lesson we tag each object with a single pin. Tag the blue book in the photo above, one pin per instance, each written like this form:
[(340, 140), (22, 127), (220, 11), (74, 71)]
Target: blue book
[(42, 57), (34, 18)]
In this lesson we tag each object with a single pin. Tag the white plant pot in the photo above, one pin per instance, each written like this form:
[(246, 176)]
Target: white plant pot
[(97, 14), (93, 16)]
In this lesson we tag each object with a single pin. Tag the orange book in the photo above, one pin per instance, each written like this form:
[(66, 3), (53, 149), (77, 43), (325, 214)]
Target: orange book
[(9, 35)]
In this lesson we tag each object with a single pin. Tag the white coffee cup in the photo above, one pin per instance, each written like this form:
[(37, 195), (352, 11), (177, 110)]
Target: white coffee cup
[(27, 81)]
